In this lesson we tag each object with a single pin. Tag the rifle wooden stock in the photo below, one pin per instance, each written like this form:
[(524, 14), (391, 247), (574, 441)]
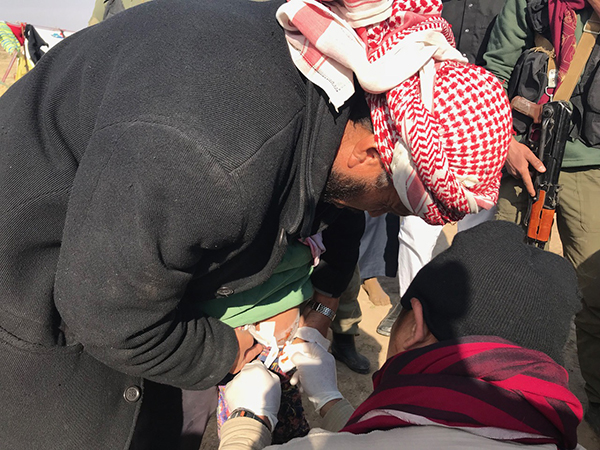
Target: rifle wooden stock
[(540, 220)]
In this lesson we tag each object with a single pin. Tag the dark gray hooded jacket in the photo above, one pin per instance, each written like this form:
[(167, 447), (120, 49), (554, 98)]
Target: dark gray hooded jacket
[(164, 156)]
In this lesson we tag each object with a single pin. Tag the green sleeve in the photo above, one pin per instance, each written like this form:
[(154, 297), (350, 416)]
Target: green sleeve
[(97, 13), (131, 3), (288, 287), (509, 38)]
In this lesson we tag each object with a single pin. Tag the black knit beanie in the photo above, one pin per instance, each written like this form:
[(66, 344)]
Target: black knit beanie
[(489, 282)]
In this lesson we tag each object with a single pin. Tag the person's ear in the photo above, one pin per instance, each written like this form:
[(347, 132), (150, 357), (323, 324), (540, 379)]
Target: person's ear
[(420, 335), (365, 150)]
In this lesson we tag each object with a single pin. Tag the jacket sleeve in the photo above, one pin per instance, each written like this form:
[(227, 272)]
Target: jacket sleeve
[(342, 243), (243, 433), (510, 36), (147, 206)]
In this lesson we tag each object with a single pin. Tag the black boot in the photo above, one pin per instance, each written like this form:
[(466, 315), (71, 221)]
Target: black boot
[(385, 326), (344, 350)]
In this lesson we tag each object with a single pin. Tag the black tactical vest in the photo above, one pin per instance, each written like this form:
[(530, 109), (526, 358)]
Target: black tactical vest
[(529, 79)]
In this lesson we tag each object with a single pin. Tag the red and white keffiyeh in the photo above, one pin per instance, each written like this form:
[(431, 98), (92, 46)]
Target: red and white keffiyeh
[(442, 126)]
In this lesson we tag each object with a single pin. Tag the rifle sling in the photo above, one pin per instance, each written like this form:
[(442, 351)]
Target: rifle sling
[(583, 51)]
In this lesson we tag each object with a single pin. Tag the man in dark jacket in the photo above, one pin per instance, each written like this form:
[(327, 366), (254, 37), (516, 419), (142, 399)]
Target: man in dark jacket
[(136, 176), (164, 157)]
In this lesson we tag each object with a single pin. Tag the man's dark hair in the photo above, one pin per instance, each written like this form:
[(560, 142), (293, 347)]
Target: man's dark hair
[(360, 112)]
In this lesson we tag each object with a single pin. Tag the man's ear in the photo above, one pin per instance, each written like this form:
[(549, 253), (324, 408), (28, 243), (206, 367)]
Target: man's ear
[(365, 150), (420, 335)]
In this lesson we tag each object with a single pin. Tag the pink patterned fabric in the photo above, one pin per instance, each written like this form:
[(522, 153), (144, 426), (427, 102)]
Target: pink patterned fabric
[(442, 126)]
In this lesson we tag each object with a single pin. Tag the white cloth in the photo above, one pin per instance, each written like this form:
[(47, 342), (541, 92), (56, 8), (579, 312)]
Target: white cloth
[(328, 52), (418, 241), (310, 334), (406, 438), (237, 435)]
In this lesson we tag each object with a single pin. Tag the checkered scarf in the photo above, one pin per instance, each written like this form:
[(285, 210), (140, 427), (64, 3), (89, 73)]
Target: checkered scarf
[(442, 126), (481, 384)]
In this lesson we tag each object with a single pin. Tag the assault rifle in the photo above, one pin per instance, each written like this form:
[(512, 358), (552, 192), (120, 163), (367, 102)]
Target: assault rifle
[(547, 138)]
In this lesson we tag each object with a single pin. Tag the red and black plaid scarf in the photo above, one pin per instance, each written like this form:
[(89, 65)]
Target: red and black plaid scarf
[(563, 21), (492, 387)]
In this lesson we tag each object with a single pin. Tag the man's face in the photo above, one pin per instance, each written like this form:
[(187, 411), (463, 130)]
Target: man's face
[(376, 197), (358, 180)]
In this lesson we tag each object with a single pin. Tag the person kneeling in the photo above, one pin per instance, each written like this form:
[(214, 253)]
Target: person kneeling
[(473, 360)]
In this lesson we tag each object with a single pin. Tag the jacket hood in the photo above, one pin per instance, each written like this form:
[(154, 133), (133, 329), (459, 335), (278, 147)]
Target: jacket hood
[(320, 138)]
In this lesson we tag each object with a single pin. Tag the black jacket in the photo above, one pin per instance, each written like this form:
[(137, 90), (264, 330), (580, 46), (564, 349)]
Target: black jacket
[(162, 157), (472, 22)]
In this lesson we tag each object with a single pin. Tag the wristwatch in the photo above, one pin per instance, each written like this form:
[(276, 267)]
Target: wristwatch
[(321, 308), (241, 412)]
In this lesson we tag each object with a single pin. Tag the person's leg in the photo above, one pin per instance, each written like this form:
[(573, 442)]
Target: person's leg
[(198, 406), (372, 246), (579, 228), (345, 327), (417, 240), (371, 258), (376, 294), (512, 200)]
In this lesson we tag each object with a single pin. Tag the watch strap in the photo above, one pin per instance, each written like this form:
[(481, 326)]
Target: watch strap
[(325, 310), (241, 412)]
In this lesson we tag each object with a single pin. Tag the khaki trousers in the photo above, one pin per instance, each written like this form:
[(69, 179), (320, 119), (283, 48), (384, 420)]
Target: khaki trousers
[(578, 220), (348, 314)]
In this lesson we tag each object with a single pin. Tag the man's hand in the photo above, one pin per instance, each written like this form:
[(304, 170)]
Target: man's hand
[(255, 389), (316, 374), (315, 319), (248, 349), (517, 164)]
